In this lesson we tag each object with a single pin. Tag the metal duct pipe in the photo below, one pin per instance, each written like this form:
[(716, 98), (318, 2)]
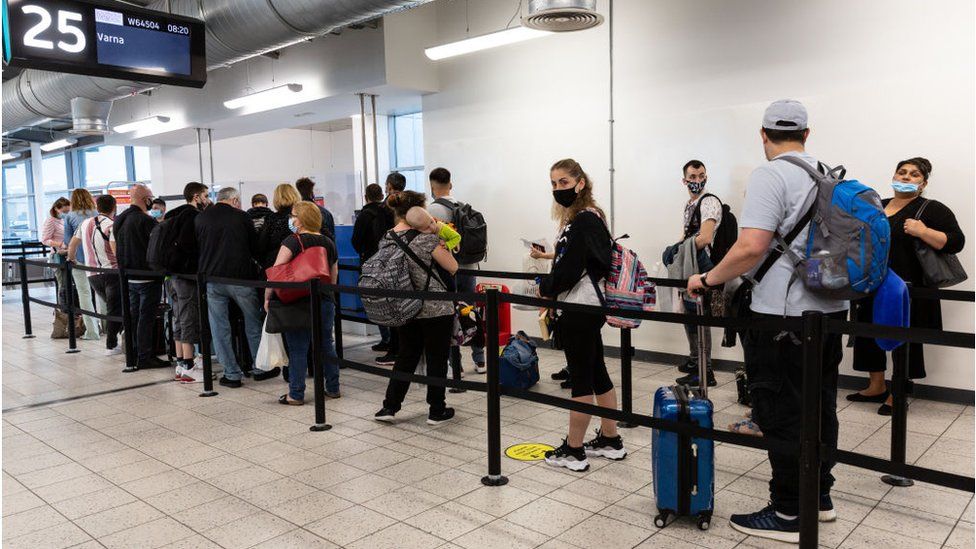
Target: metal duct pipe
[(236, 30)]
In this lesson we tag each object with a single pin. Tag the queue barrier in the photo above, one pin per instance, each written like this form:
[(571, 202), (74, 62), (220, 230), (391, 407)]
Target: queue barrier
[(813, 326)]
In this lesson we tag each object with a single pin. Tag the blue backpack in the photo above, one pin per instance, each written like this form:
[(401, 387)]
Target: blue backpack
[(846, 252)]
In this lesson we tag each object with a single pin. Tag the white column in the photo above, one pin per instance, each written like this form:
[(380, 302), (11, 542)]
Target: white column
[(37, 176)]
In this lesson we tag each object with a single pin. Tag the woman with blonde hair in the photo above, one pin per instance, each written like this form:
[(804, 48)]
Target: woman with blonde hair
[(275, 229), (82, 208)]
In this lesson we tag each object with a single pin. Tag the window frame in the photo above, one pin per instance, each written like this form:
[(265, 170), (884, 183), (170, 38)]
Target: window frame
[(392, 134), (28, 195)]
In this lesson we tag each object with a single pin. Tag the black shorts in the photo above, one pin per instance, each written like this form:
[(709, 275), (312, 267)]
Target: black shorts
[(583, 345)]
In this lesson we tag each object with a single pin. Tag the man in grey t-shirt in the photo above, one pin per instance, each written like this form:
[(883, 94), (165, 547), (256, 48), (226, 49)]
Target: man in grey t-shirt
[(777, 197), (440, 188)]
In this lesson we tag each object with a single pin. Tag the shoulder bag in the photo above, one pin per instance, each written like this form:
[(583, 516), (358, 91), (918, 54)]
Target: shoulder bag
[(308, 264), (939, 270)]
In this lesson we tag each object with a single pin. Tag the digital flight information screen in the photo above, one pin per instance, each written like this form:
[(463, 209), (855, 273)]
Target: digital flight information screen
[(101, 38)]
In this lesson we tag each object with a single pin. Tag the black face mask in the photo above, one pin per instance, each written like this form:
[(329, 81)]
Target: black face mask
[(148, 204), (565, 197)]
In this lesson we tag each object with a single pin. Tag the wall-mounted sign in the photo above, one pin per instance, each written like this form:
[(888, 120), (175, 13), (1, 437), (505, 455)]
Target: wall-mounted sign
[(101, 38)]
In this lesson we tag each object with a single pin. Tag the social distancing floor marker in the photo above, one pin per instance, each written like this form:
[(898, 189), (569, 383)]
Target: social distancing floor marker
[(529, 451)]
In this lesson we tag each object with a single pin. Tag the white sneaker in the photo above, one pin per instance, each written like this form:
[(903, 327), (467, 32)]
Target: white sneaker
[(479, 368), (192, 375), (116, 351), (179, 373)]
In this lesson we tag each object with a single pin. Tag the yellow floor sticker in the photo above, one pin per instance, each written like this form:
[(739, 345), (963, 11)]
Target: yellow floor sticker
[(529, 451)]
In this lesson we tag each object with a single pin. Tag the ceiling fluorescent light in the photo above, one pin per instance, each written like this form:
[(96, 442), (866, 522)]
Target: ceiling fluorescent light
[(9, 156), (153, 123), (483, 42), (265, 99), (59, 144)]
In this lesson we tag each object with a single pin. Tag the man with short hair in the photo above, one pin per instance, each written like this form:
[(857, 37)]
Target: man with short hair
[(373, 221), (702, 216), (306, 188), (183, 292), (442, 208), (95, 237), (259, 210), (228, 243), (131, 231), (396, 182), (778, 198), (158, 210)]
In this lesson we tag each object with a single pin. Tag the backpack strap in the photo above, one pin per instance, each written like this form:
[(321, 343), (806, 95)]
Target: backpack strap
[(405, 246), (452, 206)]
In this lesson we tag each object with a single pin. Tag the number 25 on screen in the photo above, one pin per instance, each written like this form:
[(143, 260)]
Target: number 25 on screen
[(65, 27)]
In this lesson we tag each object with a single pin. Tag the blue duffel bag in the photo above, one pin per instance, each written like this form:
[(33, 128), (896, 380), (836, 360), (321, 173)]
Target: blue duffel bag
[(519, 364)]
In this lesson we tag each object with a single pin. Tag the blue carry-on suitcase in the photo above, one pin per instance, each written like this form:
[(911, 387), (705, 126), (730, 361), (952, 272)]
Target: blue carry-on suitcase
[(684, 467)]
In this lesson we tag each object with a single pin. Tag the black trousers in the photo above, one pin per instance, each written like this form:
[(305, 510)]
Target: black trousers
[(583, 347), (143, 302), (107, 286), (775, 371), (427, 337)]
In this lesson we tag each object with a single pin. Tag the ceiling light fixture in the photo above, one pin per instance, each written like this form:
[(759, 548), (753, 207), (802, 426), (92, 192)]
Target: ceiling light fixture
[(9, 156), (266, 99), (59, 144), (483, 42), (153, 123)]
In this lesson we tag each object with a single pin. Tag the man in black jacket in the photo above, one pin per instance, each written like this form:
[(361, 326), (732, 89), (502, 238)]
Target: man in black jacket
[(183, 292), (373, 221), (131, 231), (306, 188), (228, 242)]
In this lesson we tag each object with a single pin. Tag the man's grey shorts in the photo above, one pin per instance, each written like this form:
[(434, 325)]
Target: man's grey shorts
[(186, 318)]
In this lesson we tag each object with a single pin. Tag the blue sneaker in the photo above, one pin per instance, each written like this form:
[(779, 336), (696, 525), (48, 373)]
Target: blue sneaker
[(765, 524), (827, 513)]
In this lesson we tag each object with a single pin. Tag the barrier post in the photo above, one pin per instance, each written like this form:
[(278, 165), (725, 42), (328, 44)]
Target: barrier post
[(494, 477), (337, 325), (812, 348), (900, 386), (317, 354), (69, 286), (205, 337), (25, 296), (129, 337), (626, 375)]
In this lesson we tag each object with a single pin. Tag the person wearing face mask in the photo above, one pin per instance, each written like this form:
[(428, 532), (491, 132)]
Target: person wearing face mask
[(182, 292), (913, 218), (158, 209), (52, 234), (578, 275), (702, 216)]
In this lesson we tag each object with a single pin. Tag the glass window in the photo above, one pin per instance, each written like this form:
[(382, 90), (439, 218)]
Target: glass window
[(15, 178), (17, 217), (102, 165), (140, 157), (407, 149), (55, 173)]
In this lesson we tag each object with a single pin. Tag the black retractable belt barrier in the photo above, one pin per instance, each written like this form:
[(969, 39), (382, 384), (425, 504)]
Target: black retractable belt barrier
[(626, 372), (337, 323), (205, 337), (25, 297), (812, 337), (494, 477), (69, 287), (131, 353), (900, 387), (317, 356)]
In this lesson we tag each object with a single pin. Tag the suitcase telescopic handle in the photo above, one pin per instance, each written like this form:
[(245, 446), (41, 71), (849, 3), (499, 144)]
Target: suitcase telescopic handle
[(702, 366)]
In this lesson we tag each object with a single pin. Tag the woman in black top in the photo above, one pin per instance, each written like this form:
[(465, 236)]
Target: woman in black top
[(305, 223), (275, 228), (937, 228), (581, 265)]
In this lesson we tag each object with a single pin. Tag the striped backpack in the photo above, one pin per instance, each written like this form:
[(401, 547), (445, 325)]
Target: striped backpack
[(627, 286)]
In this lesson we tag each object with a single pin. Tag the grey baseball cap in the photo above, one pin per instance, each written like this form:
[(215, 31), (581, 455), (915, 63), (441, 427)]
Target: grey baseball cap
[(785, 114)]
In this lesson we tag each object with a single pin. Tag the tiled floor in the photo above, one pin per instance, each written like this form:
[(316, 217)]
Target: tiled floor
[(159, 466)]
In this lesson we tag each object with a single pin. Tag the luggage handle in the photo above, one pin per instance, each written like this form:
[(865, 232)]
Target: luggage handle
[(702, 366), (694, 469)]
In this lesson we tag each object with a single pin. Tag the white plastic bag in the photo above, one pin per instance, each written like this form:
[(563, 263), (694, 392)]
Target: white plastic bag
[(529, 287), (668, 299), (271, 351)]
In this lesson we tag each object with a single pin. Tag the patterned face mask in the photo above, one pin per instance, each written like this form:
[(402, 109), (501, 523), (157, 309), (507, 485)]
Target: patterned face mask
[(696, 187)]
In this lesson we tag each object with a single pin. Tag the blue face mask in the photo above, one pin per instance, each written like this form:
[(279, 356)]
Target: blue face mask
[(156, 214), (291, 225), (902, 187)]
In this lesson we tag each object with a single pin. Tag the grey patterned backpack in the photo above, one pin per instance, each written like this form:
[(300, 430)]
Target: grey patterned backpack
[(389, 269)]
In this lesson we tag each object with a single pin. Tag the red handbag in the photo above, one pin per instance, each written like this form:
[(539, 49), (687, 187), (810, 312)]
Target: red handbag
[(308, 264)]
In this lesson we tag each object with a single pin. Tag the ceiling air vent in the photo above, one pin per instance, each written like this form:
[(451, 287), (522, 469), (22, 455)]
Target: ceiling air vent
[(90, 117), (562, 15)]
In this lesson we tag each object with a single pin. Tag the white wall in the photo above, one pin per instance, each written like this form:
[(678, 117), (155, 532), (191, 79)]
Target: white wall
[(883, 80), (262, 161)]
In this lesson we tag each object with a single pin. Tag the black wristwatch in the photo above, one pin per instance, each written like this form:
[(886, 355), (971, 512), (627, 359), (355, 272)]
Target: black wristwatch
[(704, 282)]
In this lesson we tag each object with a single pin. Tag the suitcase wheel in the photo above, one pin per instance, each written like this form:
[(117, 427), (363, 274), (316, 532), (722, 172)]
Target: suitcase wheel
[(704, 521), (661, 520)]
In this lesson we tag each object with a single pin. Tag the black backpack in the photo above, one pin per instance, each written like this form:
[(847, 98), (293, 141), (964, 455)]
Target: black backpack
[(726, 234), (163, 253), (470, 224)]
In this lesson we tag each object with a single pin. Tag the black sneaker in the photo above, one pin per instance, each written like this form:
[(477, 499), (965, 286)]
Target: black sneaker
[(601, 446), (381, 347), (827, 512), (154, 362), (688, 367), (232, 383), (568, 384), (385, 414), (691, 380), (560, 375), (573, 459), (386, 360), (436, 418), (767, 524), (261, 375)]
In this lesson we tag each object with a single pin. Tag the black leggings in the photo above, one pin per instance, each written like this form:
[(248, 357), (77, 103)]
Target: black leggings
[(427, 337), (583, 346)]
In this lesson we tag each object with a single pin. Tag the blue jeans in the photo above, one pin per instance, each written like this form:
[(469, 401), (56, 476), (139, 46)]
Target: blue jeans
[(299, 343), (384, 334), (219, 297), (143, 302), (467, 284)]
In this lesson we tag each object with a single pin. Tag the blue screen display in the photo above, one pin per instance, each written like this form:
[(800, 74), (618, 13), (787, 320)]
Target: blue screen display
[(139, 48)]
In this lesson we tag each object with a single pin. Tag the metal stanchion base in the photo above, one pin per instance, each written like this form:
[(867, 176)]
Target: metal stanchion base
[(208, 394), (494, 480), (625, 425), (320, 427), (893, 480), (72, 351), (29, 336), (456, 390)]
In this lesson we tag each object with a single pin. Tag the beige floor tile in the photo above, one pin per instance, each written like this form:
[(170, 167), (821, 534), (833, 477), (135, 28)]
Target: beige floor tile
[(268, 496), (961, 536), (363, 488), (404, 503), (185, 497), (65, 534), (497, 501), (244, 479), (310, 507), (96, 502), (215, 513), (596, 530), (397, 536), (117, 519), (547, 516), (411, 471), (31, 520), (910, 523), (59, 473), (329, 474), (149, 535), (450, 484), (134, 470), (195, 541), (588, 495), (20, 502), (867, 536), (158, 484), (450, 520), (297, 539), (247, 531), (349, 525), (500, 534)]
